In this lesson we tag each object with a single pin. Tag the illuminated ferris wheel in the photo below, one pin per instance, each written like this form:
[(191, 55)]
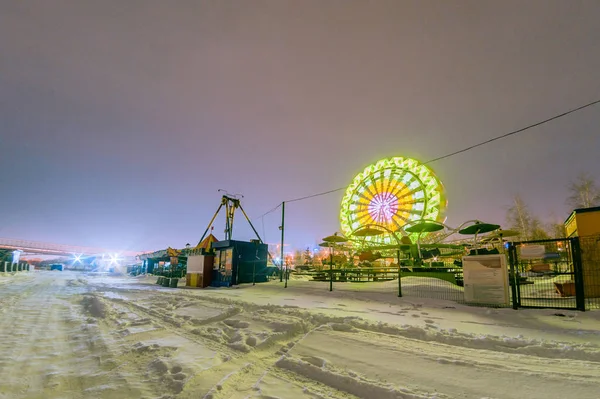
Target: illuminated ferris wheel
[(392, 193)]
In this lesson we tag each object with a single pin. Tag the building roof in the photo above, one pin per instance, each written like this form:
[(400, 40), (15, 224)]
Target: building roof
[(207, 241), (582, 210)]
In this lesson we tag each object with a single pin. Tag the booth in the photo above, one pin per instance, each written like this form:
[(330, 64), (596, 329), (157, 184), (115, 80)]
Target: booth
[(239, 262), (199, 270)]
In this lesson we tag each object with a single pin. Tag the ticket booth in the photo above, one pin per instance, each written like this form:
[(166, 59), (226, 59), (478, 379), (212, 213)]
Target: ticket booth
[(199, 270), (239, 262)]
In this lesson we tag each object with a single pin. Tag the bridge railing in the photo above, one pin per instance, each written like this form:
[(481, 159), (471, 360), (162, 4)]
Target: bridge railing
[(27, 245)]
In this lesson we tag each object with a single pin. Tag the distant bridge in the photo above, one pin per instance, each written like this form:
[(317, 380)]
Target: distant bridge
[(43, 248)]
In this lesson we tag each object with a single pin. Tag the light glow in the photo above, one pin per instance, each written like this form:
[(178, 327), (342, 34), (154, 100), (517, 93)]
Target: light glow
[(390, 193)]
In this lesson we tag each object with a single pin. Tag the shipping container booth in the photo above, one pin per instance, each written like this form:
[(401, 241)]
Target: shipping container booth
[(239, 262)]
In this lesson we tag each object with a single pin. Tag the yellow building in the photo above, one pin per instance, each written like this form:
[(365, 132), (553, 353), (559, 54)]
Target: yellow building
[(585, 224)]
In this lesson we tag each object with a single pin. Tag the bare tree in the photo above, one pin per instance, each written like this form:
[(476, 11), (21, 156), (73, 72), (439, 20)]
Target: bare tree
[(556, 228), (519, 218), (584, 192), (538, 230)]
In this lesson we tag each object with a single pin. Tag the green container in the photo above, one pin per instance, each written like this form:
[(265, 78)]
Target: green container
[(174, 282), (159, 280), (166, 282)]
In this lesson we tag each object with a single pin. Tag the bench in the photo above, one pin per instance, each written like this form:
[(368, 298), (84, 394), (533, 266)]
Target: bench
[(565, 289), (542, 268)]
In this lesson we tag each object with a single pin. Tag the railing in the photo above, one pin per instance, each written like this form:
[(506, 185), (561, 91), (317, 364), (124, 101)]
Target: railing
[(58, 249)]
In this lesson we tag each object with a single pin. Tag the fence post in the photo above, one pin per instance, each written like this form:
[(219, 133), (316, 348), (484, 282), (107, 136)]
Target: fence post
[(512, 256), (399, 275), (578, 271)]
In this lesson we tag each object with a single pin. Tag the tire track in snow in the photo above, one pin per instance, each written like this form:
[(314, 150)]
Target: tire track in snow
[(241, 375), (49, 351)]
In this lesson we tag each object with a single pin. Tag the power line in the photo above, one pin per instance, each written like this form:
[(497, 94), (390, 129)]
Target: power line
[(514, 132), (460, 151), (316, 195), (266, 213)]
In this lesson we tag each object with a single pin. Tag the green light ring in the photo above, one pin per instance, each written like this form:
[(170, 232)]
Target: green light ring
[(434, 194)]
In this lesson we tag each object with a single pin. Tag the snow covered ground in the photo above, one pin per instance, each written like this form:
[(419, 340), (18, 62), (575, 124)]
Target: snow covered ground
[(75, 335)]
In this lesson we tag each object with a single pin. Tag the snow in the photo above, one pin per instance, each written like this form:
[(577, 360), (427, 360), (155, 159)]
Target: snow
[(75, 335)]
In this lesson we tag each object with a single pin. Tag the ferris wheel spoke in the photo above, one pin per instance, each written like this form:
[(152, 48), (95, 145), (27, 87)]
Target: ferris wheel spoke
[(366, 195), (413, 202), (371, 189), (385, 183), (409, 193), (397, 188), (398, 216), (363, 219)]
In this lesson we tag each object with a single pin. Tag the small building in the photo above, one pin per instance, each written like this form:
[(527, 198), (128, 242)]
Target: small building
[(239, 262), (200, 263), (199, 270), (583, 222)]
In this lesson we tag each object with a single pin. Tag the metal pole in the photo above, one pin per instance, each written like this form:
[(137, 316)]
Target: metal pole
[(513, 275), (250, 223), (331, 267), (286, 276), (282, 238), (232, 208), (578, 270), (227, 222), (399, 275)]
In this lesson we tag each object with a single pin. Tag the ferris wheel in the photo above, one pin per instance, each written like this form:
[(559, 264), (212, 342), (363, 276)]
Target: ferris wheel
[(392, 193)]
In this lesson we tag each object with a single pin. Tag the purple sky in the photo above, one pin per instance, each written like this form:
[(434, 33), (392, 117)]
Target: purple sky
[(119, 120)]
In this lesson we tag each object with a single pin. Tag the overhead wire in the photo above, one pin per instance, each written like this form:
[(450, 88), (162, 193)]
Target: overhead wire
[(266, 213), (514, 132), (502, 136)]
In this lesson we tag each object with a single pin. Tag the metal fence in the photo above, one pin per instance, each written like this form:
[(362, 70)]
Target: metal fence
[(590, 265), (557, 273), (546, 274), (438, 277)]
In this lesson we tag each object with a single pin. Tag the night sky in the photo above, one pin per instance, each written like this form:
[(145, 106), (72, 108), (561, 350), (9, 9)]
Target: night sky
[(120, 120)]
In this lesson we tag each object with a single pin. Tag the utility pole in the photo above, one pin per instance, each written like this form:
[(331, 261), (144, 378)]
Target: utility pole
[(282, 239)]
